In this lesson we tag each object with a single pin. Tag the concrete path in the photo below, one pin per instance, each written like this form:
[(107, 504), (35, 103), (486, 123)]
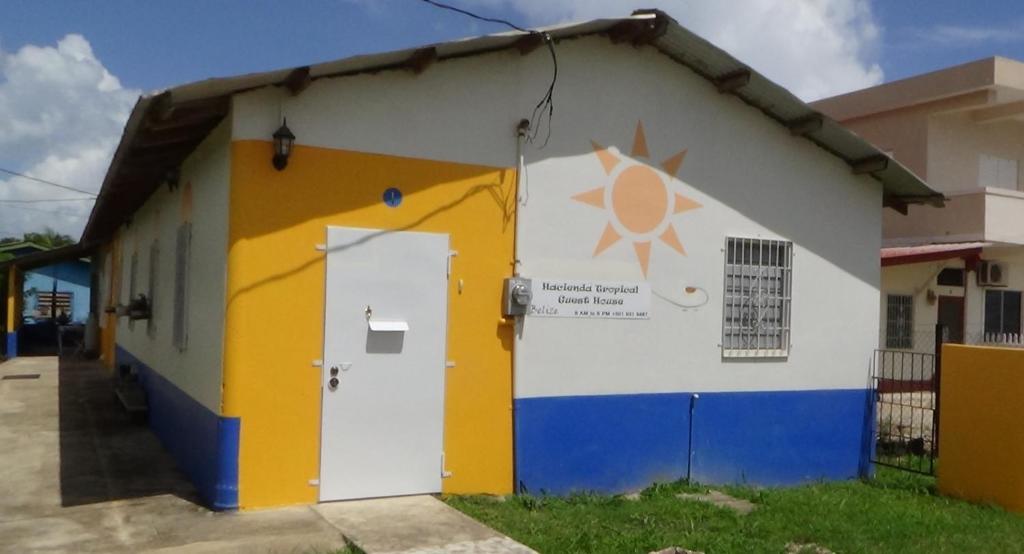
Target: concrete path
[(722, 500), (414, 524), (77, 475)]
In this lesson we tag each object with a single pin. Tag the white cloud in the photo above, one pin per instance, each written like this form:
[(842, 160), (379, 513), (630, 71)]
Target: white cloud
[(955, 35), (816, 48), (61, 115)]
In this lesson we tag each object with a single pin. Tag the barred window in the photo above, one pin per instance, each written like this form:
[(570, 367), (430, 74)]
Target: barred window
[(182, 249), (899, 321), (154, 273), (133, 278), (46, 301), (758, 279)]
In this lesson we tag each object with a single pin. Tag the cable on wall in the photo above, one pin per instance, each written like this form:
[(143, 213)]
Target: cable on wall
[(545, 108)]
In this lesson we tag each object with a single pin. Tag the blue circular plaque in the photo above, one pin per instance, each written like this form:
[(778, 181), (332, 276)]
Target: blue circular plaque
[(392, 197)]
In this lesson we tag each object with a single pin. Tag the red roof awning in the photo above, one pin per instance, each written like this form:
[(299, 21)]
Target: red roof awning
[(902, 255)]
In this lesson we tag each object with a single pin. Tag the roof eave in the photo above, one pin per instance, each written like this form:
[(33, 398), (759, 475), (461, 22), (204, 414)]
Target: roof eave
[(49, 257), (644, 27)]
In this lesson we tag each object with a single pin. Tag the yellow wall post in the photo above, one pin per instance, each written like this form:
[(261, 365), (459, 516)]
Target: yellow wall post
[(981, 436), (14, 307), (275, 314), (108, 334)]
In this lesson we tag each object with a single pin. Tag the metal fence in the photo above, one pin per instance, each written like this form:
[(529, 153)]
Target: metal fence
[(906, 388), (923, 340), (1006, 340), (907, 382)]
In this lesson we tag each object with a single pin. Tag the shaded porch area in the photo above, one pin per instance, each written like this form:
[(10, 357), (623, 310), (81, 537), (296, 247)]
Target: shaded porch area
[(80, 475)]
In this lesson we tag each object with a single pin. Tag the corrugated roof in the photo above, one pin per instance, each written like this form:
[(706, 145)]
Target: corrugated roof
[(901, 255), (165, 127), (48, 257), (7, 247)]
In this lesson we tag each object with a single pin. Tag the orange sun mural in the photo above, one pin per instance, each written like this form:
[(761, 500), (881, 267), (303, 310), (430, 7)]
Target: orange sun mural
[(639, 200)]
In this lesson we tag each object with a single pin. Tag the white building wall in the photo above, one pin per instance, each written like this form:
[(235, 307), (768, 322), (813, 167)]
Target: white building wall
[(196, 369), (753, 178), (463, 110), (956, 144), (918, 279)]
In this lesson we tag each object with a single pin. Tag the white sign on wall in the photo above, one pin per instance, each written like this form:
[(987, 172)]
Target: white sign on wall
[(590, 299)]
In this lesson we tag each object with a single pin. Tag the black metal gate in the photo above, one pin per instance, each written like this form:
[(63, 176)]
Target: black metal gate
[(906, 392)]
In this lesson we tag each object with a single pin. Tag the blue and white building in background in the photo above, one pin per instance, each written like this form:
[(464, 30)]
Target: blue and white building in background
[(63, 284)]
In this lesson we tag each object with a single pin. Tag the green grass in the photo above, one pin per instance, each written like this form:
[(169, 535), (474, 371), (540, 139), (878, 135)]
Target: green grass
[(895, 512)]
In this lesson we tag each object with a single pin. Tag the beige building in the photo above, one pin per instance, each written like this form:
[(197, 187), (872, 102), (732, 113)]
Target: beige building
[(962, 130)]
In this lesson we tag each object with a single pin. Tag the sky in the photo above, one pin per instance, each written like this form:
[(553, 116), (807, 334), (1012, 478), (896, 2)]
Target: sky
[(71, 70)]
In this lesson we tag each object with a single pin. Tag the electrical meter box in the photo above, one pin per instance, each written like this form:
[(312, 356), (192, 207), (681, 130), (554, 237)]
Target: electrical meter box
[(517, 295)]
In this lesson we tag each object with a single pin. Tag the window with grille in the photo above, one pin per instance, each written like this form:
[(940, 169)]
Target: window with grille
[(758, 278), (899, 321), (182, 247), (133, 274), (46, 302), (154, 272), (1002, 312)]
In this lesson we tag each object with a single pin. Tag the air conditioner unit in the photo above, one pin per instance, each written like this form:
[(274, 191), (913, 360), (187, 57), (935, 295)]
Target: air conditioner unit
[(991, 274)]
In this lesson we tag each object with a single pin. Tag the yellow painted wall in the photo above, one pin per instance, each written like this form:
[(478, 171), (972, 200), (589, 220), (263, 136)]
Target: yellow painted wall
[(14, 299), (275, 295), (108, 333), (981, 425)]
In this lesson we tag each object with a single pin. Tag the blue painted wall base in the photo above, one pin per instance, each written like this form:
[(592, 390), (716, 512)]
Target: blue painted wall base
[(203, 443), (620, 443), (12, 345)]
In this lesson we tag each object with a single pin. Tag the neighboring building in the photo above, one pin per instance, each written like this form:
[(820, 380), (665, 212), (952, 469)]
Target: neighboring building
[(62, 284), (334, 328), (962, 130)]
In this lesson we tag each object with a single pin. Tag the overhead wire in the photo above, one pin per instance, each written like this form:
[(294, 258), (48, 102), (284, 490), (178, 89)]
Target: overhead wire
[(546, 105), (478, 17), (43, 200), (26, 208), (45, 182)]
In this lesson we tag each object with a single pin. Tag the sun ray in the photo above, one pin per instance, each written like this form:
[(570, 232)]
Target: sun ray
[(671, 165), (593, 197), (684, 204), (608, 160), (608, 238), (670, 238), (636, 199), (643, 254), (639, 142)]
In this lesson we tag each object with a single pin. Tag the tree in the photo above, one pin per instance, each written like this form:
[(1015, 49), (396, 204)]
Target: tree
[(48, 238)]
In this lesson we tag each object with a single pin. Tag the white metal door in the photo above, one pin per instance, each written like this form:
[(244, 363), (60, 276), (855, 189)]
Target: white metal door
[(384, 345)]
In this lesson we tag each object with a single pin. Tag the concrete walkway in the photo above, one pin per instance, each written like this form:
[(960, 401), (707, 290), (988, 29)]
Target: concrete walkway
[(414, 524), (76, 475)]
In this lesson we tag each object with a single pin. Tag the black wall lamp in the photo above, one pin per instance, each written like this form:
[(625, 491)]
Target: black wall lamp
[(172, 177), (283, 142)]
